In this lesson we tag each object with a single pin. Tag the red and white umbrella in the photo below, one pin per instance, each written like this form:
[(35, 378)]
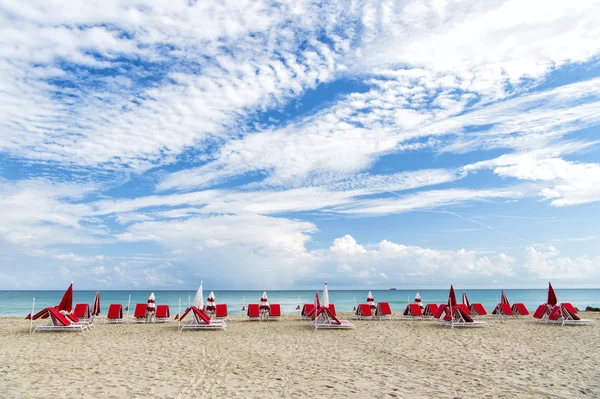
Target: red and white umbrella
[(96, 305), (151, 303), (199, 298), (66, 303), (418, 301), (264, 302), (465, 300), (325, 296), (371, 301), (504, 299), (210, 302)]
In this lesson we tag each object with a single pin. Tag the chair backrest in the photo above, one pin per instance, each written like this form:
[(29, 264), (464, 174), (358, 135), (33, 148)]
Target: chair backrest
[(324, 312), (464, 308), (82, 311), (162, 311), (308, 309), (415, 309), (253, 310), (275, 310), (364, 310), (58, 319), (221, 310), (478, 309), (201, 317), (460, 314), (140, 310), (555, 313), (440, 311), (569, 306), (520, 309), (431, 309), (332, 310), (71, 317), (383, 309), (115, 311), (541, 311)]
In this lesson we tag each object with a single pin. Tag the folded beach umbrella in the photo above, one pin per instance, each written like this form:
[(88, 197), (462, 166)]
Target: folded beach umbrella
[(264, 302), (465, 300), (325, 296), (418, 301), (504, 299), (96, 305), (452, 297), (151, 303), (66, 304), (551, 296), (198, 299), (210, 302), (371, 301)]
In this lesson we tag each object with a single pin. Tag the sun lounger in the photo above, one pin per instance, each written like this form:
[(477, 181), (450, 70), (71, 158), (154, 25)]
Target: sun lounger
[(459, 319), (201, 321), (140, 314), (477, 309), (383, 311), (412, 312), (221, 311), (115, 314), (162, 314), (519, 309), (440, 311), (254, 312), (363, 312), (60, 322), (324, 319), (82, 311), (502, 309), (430, 310), (307, 311), (570, 317), (542, 312), (274, 312)]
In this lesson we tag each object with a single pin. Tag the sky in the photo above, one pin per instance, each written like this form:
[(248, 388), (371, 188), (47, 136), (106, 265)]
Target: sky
[(280, 144)]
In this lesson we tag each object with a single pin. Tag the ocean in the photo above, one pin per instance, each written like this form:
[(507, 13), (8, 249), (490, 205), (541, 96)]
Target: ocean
[(18, 303)]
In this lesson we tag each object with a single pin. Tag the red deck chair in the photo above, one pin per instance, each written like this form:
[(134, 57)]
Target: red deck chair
[(541, 311), (363, 312), (570, 307), (162, 314), (254, 312), (82, 311), (440, 310), (519, 309), (221, 311), (61, 322), (307, 311), (412, 311), (477, 309), (115, 313), (383, 311), (503, 309), (430, 310), (332, 309), (464, 308), (201, 321), (274, 312), (555, 314), (140, 313)]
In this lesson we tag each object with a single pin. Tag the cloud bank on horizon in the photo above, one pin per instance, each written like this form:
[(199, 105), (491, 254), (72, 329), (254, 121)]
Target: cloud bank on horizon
[(279, 144)]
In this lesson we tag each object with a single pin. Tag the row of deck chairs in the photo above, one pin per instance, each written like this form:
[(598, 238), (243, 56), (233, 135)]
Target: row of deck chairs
[(432, 310)]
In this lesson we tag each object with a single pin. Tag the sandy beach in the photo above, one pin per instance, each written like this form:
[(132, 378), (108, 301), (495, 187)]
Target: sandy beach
[(380, 359)]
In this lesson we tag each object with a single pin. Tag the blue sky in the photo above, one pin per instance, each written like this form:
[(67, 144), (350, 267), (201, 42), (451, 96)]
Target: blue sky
[(275, 144)]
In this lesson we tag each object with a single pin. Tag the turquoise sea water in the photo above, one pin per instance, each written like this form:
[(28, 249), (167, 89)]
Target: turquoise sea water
[(18, 303)]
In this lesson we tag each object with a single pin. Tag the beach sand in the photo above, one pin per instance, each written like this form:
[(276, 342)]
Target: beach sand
[(405, 359)]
